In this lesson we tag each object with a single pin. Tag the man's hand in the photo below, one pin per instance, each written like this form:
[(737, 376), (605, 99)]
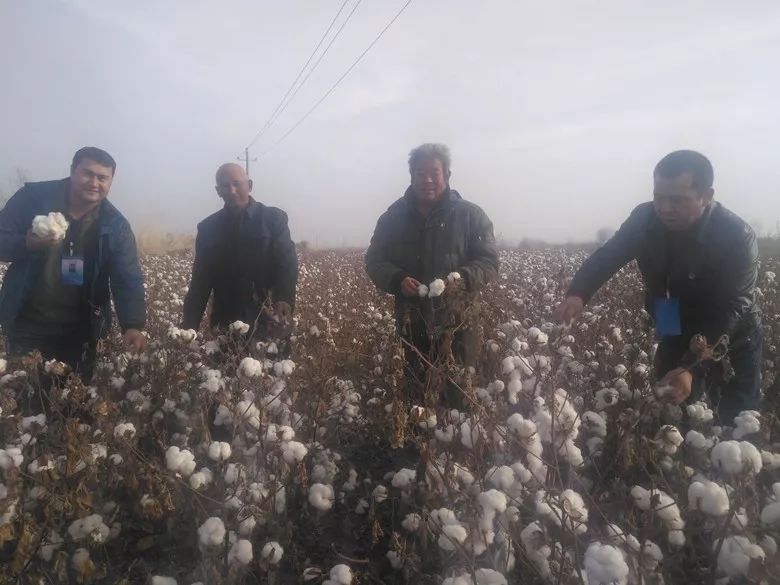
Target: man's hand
[(410, 287), (283, 311), (36, 243), (677, 385), (134, 340), (569, 310)]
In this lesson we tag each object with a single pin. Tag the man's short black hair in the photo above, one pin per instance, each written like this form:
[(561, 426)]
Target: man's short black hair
[(687, 161), (98, 155)]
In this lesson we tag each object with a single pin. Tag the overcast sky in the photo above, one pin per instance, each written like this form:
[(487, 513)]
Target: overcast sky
[(556, 111)]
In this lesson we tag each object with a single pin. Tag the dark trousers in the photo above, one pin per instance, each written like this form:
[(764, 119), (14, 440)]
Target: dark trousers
[(728, 398), (71, 344)]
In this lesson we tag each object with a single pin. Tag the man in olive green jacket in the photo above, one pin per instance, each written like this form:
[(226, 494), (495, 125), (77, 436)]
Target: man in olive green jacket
[(427, 234)]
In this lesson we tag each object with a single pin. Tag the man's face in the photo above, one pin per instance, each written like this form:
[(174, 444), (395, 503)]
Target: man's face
[(234, 187), (90, 181), (429, 180), (678, 204)]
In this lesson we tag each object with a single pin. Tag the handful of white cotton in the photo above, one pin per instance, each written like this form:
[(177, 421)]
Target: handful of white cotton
[(54, 225)]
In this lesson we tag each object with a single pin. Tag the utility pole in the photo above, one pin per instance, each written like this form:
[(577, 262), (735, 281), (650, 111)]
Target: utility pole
[(246, 160)]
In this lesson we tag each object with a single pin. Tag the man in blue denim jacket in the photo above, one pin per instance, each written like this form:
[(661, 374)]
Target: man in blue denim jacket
[(56, 295)]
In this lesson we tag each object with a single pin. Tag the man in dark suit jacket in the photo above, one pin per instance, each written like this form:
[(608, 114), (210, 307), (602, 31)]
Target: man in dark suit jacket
[(245, 256), (699, 263)]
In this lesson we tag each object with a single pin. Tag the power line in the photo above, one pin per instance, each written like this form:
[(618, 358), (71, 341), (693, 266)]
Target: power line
[(338, 81), (305, 65), (319, 60)]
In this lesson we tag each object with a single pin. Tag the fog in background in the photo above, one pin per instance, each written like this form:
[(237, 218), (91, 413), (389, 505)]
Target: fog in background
[(555, 111)]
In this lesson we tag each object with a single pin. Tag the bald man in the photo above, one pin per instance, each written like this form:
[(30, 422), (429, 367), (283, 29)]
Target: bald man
[(244, 255)]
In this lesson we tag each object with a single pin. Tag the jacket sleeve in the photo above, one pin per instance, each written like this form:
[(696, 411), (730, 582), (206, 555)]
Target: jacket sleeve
[(13, 227), (199, 291), (618, 251), (285, 262), (481, 266), (385, 275), (736, 287), (127, 282)]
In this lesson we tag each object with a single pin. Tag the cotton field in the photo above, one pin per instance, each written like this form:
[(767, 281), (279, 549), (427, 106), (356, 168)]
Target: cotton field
[(210, 459)]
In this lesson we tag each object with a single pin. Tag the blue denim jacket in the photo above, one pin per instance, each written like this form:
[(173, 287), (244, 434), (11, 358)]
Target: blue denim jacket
[(112, 270)]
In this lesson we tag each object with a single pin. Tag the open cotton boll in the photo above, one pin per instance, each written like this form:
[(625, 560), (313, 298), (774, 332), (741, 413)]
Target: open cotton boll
[(708, 497), (453, 276), (89, 526), (293, 452), (321, 496), (180, 461), (272, 552), (451, 536), (605, 565), (219, 451), (698, 412), (201, 478), (736, 554), (771, 461), (735, 457), (211, 532), (436, 288), (239, 327), (747, 423), (696, 440), (770, 515), (240, 552), (162, 580), (54, 225), (412, 522), (124, 431), (669, 439), (250, 368), (404, 478), (340, 575)]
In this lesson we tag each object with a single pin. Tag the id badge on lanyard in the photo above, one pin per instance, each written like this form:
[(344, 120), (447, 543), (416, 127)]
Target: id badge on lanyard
[(667, 316), (72, 268)]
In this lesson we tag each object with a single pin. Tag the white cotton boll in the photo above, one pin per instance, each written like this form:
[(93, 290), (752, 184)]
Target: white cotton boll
[(669, 439), (341, 575), (735, 457), (89, 526), (250, 368), (124, 431), (501, 477), (239, 327), (54, 226), (698, 412), (746, 423), (709, 497), (212, 381), (51, 545), (247, 526), (219, 451), (293, 452), (436, 288), (445, 435), (770, 515), (571, 453), (595, 423), (771, 461), (537, 336), (769, 545), (606, 397), (321, 496), (696, 440), (453, 276), (422, 291), (163, 580), (459, 580), (605, 565), (412, 522), (240, 552), (180, 461), (735, 555), (395, 560), (211, 532), (201, 478), (469, 434), (284, 368), (404, 478), (451, 536), (489, 577), (380, 494)]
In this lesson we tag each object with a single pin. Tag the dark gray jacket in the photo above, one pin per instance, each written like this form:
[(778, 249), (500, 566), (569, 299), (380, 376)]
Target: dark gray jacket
[(456, 236), (246, 259), (712, 269)]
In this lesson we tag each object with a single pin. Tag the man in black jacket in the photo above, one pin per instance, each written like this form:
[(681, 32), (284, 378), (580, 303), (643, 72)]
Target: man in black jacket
[(244, 254), (428, 234), (699, 263)]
